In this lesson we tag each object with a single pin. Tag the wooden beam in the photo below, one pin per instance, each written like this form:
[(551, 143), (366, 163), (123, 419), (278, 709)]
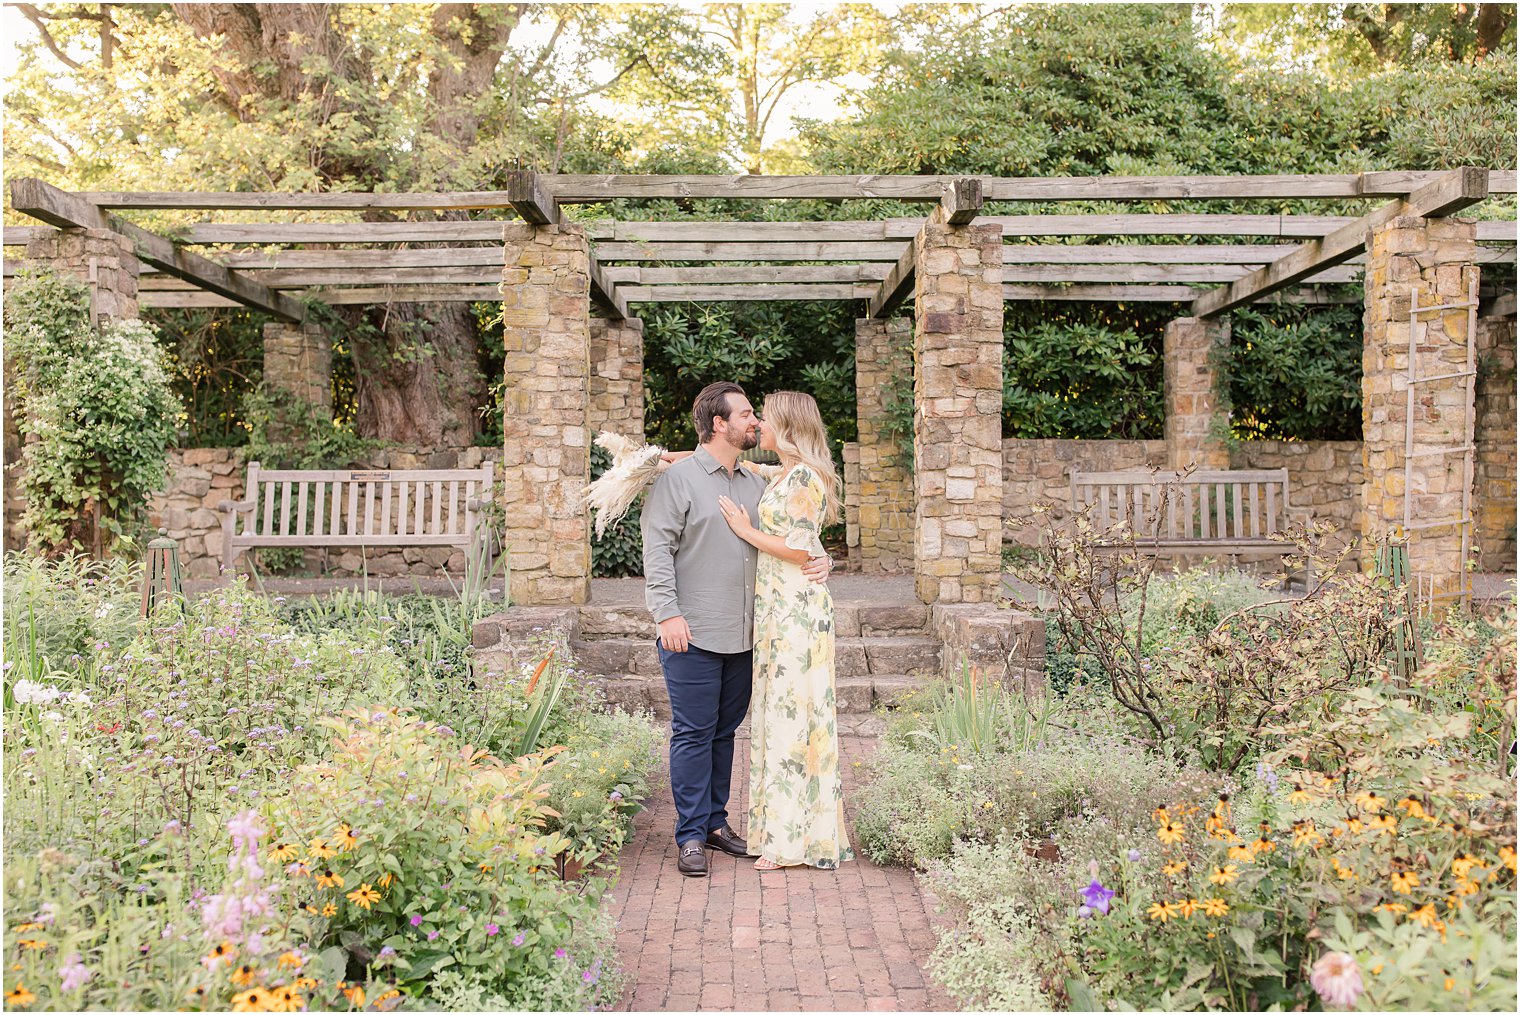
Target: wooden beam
[(340, 232), (605, 294), (60, 208), (1165, 273), (743, 293), (962, 201), (796, 251), (275, 201), (410, 257), (749, 274), (1157, 294), (1453, 191), (526, 193), (896, 287)]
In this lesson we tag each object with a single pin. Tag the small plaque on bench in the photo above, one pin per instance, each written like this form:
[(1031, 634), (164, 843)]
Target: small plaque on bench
[(368, 475)]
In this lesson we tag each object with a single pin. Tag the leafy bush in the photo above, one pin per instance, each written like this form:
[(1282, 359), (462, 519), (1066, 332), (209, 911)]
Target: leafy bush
[(1375, 843), (1295, 372), (619, 552), (57, 611), (600, 782), (420, 843), (98, 412)]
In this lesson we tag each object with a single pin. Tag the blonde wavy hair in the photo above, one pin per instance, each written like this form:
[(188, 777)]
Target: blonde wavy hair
[(800, 434)]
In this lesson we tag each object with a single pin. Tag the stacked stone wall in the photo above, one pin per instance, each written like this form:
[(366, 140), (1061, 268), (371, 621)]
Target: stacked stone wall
[(547, 330), (616, 383), (1431, 260), (1494, 465), (878, 482), (958, 403), (1195, 423), (298, 361)]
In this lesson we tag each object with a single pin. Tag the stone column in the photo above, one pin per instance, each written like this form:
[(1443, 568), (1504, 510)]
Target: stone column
[(1431, 259), (1494, 468), (298, 362), (617, 377), (108, 263), (106, 260), (546, 315), (1195, 423), (878, 479), (958, 410)]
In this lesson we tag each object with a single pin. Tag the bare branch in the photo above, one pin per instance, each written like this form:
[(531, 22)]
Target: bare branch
[(35, 16)]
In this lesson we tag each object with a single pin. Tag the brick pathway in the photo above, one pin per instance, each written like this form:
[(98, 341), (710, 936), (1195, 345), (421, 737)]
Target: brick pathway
[(804, 940)]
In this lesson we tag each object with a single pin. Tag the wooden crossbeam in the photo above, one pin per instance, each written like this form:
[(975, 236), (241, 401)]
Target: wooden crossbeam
[(896, 287), (1452, 191), (1013, 226), (605, 294), (962, 201), (743, 293), (795, 251), (60, 208), (530, 197), (1166, 273)]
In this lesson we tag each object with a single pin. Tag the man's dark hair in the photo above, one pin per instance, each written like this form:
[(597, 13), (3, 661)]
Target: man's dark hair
[(712, 401)]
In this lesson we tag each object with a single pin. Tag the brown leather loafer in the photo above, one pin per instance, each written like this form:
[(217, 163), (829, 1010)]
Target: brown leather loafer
[(726, 840), (692, 860)]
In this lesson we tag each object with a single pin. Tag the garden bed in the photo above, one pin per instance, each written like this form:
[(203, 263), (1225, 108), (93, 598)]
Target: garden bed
[(1355, 850), (267, 804)]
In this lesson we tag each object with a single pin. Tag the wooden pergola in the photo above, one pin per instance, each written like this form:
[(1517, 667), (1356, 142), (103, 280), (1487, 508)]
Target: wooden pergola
[(568, 281), (1094, 256)]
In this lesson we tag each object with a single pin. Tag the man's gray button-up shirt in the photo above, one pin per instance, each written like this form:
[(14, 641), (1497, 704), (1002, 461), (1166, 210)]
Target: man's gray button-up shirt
[(694, 565)]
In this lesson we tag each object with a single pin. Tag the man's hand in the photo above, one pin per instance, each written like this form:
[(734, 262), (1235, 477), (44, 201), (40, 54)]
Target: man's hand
[(817, 569), (675, 635)]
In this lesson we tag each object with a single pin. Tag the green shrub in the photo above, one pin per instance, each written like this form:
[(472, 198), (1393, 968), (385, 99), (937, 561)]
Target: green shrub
[(601, 780), (98, 410), (426, 845), (57, 611)]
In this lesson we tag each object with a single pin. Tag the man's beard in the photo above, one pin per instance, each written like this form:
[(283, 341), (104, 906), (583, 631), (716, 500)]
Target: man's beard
[(744, 440)]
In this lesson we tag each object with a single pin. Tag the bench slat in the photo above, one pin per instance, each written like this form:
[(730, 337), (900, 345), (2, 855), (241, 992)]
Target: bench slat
[(401, 508), (1255, 512), (301, 504), (356, 540), (268, 508), (285, 492), (453, 506), (362, 475), (1171, 478), (417, 514)]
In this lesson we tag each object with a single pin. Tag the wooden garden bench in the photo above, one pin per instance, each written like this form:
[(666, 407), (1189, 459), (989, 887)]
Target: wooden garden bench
[(365, 508), (1220, 512)]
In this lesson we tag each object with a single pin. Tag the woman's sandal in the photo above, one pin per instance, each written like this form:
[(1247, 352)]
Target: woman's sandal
[(763, 864)]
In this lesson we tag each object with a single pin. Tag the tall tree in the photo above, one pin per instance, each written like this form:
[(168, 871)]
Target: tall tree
[(326, 97)]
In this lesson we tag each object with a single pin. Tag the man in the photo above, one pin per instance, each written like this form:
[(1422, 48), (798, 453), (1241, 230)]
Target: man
[(700, 587)]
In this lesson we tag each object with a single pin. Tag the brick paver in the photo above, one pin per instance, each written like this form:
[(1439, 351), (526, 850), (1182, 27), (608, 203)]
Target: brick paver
[(800, 940)]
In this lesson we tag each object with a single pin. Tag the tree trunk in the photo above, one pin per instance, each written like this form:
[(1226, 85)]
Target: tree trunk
[(417, 376)]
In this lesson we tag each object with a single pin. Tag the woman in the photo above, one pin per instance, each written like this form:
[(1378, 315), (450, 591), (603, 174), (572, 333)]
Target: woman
[(796, 802)]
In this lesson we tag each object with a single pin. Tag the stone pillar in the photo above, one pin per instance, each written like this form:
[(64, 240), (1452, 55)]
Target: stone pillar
[(1494, 468), (108, 262), (1196, 426), (298, 362), (546, 315), (958, 410), (878, 479), (1432, 259), (617, 377)]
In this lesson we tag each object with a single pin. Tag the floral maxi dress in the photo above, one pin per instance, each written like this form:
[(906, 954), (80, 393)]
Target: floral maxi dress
[(796, 802)]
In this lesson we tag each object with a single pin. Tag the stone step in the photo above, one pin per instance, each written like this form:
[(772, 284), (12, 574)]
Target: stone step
[(852, 695), (853, 657), (599, 621)]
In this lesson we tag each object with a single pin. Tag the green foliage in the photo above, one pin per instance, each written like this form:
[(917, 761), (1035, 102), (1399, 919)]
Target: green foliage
[(56, 611), (98, 411), (420, 824), (761, 346), (600, 782), (1295, 373), (214, 357), (1083, 371)]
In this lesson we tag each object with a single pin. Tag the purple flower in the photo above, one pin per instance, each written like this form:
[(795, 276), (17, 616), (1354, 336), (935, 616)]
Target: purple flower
[(517, 942), (615, 795), (1085, 912), (491, 929), (432, 935), (1133, 856), (1096, 896), (588, 976), (559, 953), (416, 919)]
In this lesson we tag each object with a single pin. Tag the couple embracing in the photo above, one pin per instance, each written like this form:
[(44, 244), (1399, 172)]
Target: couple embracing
[(735, 576)]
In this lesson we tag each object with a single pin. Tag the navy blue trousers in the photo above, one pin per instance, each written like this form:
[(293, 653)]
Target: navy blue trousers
[(709, 695)]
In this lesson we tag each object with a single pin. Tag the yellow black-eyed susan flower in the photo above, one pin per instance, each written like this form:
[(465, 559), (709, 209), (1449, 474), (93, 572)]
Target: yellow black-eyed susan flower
[(243, 975), (319, 849), (1405, 882), (1224, 875), (1170, 833), (283, 852), (257, 999), (328, 879), (1215, 907), (1163, 911), (19, 996), (364, 896), (345, 837)]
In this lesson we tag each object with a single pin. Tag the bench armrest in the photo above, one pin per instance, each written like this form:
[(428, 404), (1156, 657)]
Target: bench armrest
[(234, 505), (476, 503)]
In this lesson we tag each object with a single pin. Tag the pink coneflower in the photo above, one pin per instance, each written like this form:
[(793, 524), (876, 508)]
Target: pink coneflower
[(491, 929), (1337, 979)]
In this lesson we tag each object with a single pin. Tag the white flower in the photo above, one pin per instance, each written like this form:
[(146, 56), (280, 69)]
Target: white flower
[(29, 692), (55, 717), (1337, 979), (105, 608)]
